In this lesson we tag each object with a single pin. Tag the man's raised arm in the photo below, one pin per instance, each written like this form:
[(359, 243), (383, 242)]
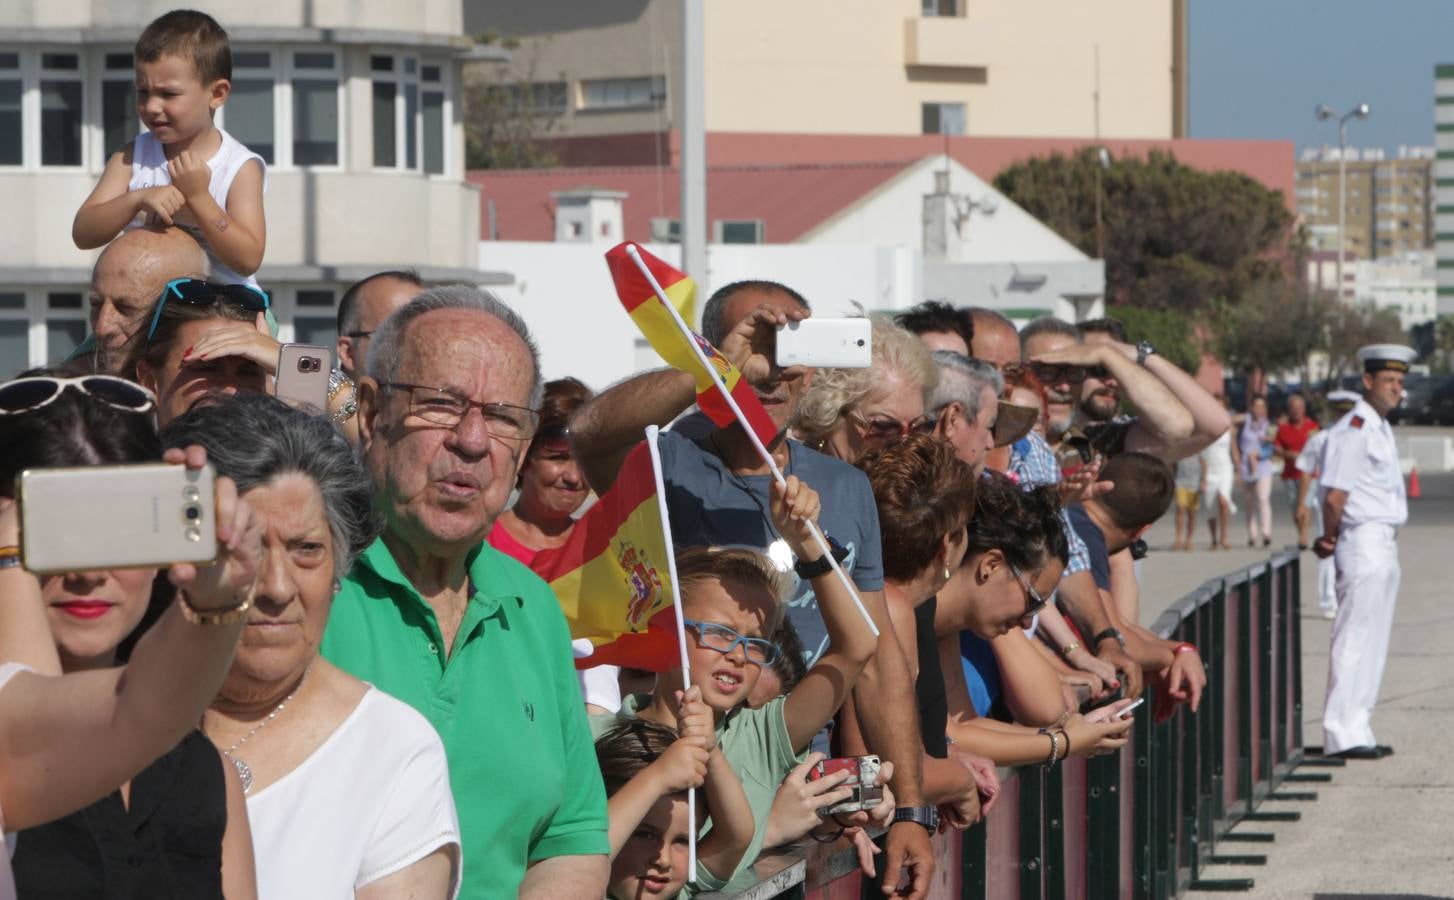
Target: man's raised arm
[(604, 430)]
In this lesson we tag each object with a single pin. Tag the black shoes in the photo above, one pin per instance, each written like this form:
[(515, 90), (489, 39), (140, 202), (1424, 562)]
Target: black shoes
[(1378, 751)]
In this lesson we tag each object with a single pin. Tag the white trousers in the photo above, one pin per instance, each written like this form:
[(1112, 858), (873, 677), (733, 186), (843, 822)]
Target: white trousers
[(1327, 584), (1368, 579)]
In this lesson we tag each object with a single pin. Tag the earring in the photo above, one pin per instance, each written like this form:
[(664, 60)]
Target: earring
[(337, 586), (947, 574)]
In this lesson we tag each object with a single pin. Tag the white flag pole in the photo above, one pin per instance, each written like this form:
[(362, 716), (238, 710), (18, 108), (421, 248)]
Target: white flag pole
[(747, 427), (676, 601)]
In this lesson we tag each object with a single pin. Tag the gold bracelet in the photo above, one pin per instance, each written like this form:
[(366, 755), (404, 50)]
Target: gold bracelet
[(1070, 648), (229, 616)]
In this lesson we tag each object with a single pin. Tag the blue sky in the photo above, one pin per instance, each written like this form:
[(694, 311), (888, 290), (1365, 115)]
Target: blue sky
[(1259, 67)]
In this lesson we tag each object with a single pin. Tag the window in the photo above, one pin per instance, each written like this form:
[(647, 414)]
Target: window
[(61, 92), (738, 231), (12, 135), (250, 109), (315, 320), (666, 231), (944, 118), (65, 324), (314, 76), (940, 7), (408, 113), (14, 334), (645, 92), (118, 103)]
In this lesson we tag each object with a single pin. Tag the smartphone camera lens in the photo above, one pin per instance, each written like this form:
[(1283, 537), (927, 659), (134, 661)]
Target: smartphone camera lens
[(859, 342), (309, 364), (194, 512)]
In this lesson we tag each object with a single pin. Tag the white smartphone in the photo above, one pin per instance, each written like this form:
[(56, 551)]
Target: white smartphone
[(826, 343), (1125, 713), (303, 371), (116, 517)]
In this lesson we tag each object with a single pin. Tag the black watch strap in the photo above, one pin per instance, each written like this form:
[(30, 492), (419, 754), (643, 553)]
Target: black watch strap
[(1109, 633), (928, 816), (821, 566)]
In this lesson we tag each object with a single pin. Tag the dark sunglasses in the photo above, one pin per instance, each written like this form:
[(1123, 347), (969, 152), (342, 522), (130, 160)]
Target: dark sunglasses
[(1033, 601), (883, 428), (1053, 373), (27, 394), (196, 292)]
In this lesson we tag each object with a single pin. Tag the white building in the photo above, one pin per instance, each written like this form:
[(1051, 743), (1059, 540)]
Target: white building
[(901, 241), (1406, 285), (1444, 185), (355, 107)]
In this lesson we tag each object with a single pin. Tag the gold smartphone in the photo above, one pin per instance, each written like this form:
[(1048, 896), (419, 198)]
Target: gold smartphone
[(303, 371), (116, 517)]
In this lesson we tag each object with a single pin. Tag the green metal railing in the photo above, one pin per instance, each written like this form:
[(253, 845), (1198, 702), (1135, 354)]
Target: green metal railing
[(1146, 822)]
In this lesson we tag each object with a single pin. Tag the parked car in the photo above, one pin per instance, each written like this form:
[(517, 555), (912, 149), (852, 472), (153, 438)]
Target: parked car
[(1430, 401)]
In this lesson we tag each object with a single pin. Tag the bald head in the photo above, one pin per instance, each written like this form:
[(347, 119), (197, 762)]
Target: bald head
[(995, 339), (129, 275)]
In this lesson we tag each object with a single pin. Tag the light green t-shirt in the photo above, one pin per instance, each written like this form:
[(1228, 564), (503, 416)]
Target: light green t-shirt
[(507, 704), (756, 744)]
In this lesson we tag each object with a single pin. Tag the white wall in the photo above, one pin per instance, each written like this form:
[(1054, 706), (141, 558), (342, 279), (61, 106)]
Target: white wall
[(564, 291)]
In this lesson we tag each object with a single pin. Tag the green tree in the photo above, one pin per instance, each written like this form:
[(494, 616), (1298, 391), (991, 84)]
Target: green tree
[(1170, 331), (1175, 238), (1277, 326), (508, 114)]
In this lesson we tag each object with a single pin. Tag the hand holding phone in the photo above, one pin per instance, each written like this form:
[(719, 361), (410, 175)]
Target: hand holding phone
[(863, 772), (303, 371), (1125, 711), (826, 343)]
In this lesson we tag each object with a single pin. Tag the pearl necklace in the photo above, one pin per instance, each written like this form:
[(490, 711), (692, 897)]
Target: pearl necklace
[(244, 771)]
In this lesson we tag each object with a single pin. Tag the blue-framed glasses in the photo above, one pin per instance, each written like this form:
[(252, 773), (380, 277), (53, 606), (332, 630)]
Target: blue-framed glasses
[(1033, 601), (200, 293), (724, 640)]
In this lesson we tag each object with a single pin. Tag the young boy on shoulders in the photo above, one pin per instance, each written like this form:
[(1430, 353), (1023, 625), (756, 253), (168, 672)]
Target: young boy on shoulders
[(183, 170)]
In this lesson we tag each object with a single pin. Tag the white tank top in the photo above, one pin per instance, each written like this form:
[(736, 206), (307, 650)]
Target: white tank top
[(149, 169)]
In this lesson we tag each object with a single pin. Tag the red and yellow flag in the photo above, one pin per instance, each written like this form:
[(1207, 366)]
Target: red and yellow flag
[(673, 341), (613, 576)]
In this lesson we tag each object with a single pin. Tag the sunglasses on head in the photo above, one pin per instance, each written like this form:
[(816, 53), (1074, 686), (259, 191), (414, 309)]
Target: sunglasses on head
[(197, 292), (26, 394)]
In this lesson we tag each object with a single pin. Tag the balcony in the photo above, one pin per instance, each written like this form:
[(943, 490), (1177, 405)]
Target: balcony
[(944, 42)]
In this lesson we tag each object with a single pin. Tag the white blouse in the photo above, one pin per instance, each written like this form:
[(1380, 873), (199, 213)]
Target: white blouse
[(372, 800)]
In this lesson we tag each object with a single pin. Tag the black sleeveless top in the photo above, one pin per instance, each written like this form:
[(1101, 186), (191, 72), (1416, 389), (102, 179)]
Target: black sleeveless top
[(167, 844), (929, 687)]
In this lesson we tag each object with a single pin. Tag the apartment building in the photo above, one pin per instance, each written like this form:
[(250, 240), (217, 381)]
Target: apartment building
[(355, 107), (600, 71), (1444, 185), (1390, 206)]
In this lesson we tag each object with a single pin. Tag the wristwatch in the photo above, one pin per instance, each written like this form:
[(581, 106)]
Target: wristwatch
[(1143, 350), (1110, 633), (820, 566), (928, 816)]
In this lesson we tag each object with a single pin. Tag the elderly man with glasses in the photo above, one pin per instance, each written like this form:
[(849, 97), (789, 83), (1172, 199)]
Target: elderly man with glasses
[(464, 634)]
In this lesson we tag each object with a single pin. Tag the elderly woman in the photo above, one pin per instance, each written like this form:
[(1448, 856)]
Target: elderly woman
[(203, 342), (181, 821), (347, 788), (846, 412), (136, 713)]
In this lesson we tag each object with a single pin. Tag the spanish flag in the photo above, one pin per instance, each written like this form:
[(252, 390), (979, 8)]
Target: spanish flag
[(615, 576), (671, 338)]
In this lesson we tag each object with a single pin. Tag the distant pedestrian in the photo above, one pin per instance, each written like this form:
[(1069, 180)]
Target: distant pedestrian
[(1257, 449), (1309, 465), (1363, 507), (1221, 466), (1292, 434), (1191, 480)]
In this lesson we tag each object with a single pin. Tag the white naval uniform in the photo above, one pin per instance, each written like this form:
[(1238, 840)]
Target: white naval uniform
[(1310, 461), (1360, 458)]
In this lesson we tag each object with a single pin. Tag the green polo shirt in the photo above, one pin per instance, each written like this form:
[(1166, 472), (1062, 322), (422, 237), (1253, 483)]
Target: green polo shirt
[(507, 704)]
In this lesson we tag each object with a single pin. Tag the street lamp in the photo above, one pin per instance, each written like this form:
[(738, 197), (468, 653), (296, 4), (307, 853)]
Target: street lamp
[(1324, 113)]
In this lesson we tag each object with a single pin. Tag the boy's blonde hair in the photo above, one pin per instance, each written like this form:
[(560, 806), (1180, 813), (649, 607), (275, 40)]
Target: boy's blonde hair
[(697, 565), (191, 35)]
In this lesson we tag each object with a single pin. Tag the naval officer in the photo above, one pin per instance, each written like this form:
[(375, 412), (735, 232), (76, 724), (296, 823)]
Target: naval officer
[(1363, 506)]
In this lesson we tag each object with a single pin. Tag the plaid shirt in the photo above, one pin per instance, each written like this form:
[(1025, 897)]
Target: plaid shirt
[(1032, 463)]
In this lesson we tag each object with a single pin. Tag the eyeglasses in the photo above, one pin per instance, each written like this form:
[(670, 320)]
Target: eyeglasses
[(724, 640), (1033, 601), (358, 335), (884, 428), (447, 409), (26, 394), (196, 292)]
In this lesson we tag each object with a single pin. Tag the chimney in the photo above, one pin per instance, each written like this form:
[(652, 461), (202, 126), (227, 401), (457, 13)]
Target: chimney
[(589, 215), (940, 216)]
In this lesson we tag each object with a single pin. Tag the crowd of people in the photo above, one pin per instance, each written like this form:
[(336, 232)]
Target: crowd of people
[(368, 693)]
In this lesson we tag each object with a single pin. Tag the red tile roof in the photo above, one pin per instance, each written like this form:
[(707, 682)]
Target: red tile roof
[(789, 199)]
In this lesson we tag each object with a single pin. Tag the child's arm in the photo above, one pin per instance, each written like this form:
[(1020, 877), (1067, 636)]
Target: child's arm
[(111, 206), (238, 234), (732, 823), (822, 691), (682, 766)]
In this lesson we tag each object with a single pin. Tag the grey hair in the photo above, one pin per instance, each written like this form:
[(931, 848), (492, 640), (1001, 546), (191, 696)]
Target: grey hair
[(962, 380), (834, 391), (254, 438), (386, 350), (1047, 325)]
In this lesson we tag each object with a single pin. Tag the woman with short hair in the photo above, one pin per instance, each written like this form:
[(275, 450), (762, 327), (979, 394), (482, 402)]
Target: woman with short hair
[(320, 753)]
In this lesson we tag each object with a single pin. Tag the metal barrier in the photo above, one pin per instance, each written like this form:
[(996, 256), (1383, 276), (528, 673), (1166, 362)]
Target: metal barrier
[(1144, 823)]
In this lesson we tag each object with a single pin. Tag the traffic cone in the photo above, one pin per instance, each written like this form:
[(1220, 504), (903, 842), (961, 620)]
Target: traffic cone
[(1414, 483)]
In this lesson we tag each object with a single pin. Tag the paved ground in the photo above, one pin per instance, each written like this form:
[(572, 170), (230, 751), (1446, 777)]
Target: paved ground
[(1379, 829)]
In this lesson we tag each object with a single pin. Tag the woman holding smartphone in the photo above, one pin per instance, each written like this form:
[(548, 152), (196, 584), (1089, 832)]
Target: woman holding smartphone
[(76, 624)]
